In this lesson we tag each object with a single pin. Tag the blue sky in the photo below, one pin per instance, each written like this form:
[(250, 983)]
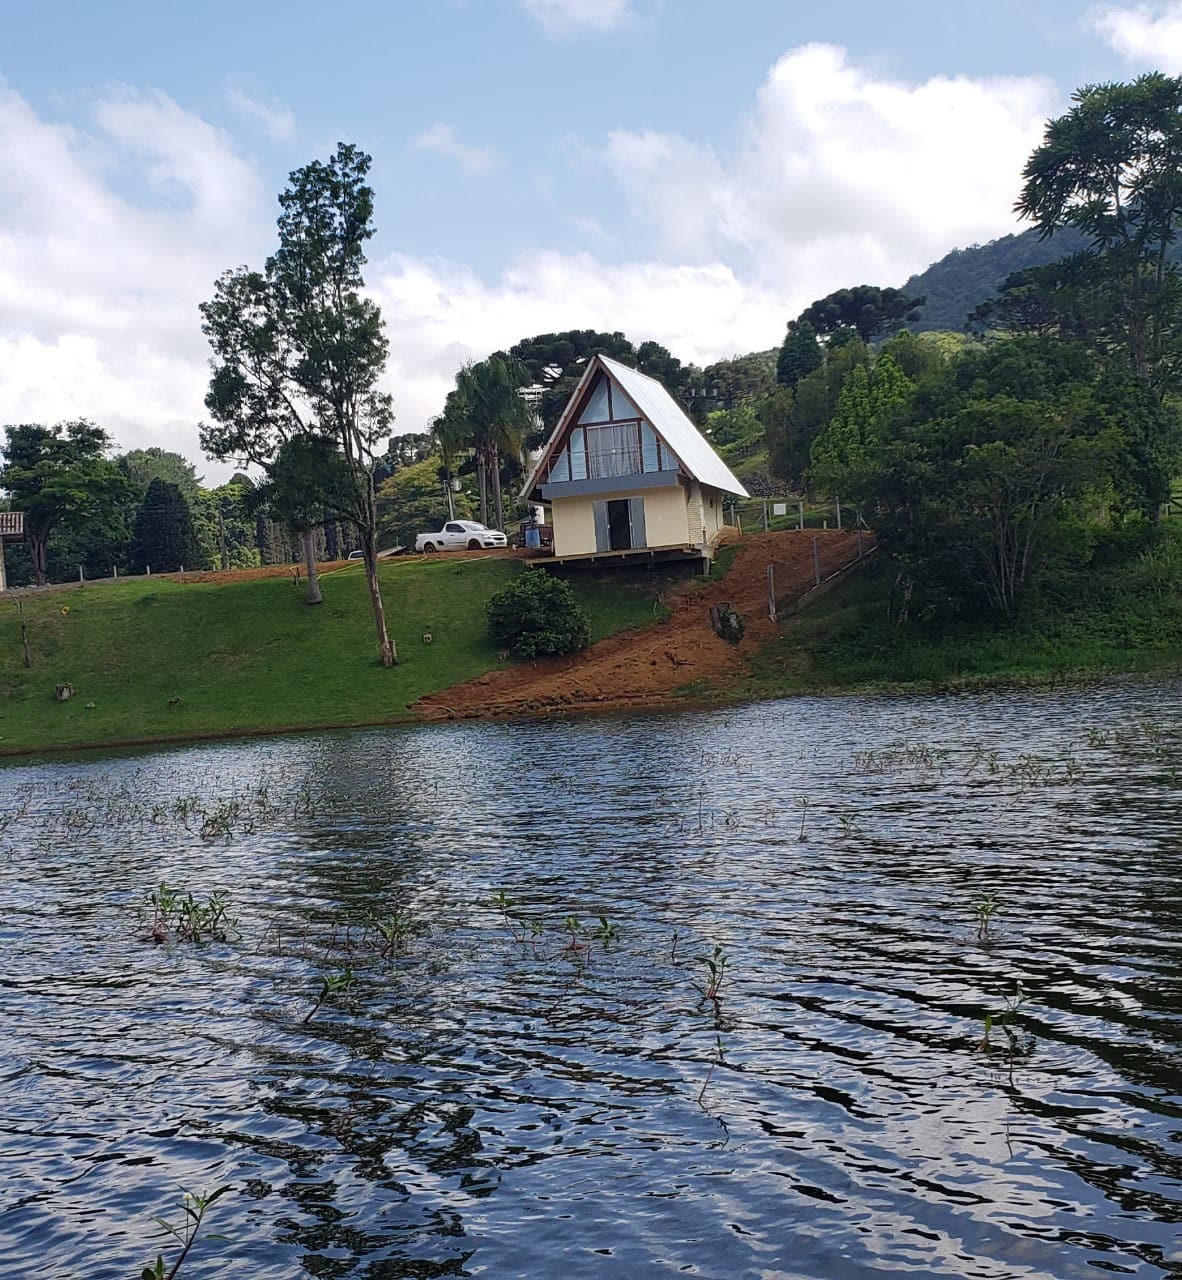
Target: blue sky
[(679, 169)]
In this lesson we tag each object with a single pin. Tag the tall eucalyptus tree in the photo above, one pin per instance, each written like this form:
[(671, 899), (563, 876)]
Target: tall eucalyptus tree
[(298, 350)]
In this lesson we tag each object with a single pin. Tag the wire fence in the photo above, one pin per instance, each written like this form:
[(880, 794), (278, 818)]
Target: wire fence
[(764, 515), (820, 560)]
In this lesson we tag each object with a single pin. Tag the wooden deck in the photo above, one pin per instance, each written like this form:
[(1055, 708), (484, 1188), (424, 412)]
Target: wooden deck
[(634, 556)]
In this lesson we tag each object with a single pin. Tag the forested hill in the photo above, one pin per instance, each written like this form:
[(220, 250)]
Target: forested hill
[(963, 279)]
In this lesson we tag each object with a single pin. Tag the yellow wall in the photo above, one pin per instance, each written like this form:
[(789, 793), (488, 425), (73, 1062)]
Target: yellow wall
[(574, 526), (665, 521)]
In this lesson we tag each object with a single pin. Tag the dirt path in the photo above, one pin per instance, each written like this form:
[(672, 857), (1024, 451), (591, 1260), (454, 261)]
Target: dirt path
[(639, 668)]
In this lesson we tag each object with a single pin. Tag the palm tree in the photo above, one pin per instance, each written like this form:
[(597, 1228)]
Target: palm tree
[(497, 421)]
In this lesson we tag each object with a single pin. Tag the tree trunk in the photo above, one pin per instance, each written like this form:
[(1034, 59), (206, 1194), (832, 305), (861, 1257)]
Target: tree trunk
[(309, 539), (482, 473), (38, 550), (387, 653), (498, 502)]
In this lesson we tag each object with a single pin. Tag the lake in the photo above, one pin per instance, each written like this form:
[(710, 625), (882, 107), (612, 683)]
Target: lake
[(814, 988)]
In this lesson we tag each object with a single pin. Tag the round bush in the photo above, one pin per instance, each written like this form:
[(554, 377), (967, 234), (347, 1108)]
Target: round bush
[(536, 615)]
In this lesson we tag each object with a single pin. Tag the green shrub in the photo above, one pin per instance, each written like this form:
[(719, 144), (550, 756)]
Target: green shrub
[(537, 614)]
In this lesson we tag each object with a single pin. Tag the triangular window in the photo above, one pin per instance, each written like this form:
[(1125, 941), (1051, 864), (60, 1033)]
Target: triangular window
[(597, 409), (622, 407)]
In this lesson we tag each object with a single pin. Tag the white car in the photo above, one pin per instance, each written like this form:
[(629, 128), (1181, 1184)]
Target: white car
[(461, 535)]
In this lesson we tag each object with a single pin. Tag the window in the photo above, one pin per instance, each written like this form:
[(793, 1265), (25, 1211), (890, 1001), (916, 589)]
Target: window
[(598, 409), (650, 456), (622, 407), (613, 450), (578, 454)]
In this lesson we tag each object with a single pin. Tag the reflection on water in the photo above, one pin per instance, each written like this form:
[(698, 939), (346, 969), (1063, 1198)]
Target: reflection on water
[(507, 1091)]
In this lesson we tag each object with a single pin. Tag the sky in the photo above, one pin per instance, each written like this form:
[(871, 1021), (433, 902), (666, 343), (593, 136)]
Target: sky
[(689, 171)]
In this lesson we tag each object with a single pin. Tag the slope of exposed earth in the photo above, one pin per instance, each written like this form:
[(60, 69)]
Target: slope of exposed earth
[(648, 666)]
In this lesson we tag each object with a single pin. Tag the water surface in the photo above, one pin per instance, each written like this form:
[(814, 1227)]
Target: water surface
[(510, 1092)]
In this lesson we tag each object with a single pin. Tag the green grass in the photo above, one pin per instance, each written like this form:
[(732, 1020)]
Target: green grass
[(844, 642), (251, 656)]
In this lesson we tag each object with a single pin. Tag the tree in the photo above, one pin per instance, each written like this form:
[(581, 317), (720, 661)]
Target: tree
[(402, 451), (487, 413), (793, 421), (556, 361), (61, 478), (980, 487), (164, 538), (1111, 168), (869, 406), (306, 477), (728, 384), (799, 354), (787, 449), (298, 350), (866, 308), (414, 500), (142, 466), (736, 434)]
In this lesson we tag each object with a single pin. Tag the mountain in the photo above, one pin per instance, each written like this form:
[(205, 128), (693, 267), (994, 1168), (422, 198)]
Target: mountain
[(963, 279)]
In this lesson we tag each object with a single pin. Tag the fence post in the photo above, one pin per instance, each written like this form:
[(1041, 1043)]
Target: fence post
[(771, 592), (80, 577), (838, 502), (816, 563), (800, 504), (859, 528), (765, 524)]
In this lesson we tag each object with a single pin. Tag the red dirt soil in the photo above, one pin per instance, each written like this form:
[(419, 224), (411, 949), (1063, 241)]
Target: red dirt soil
[(644, 667)]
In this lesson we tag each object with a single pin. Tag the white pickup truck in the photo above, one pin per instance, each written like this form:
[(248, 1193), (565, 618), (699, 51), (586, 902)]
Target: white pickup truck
[(461, 535)]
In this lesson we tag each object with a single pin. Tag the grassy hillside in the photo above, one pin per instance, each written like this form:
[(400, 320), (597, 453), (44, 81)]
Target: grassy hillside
[(162, 659), (1125, 619)]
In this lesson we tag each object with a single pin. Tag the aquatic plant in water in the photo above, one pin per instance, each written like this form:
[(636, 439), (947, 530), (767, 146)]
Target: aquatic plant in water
[(195, 1205), (574, 930), (607, 932), (984, 909), (715, 963), (716, 1062), (1019, 1041), (331, 985), (180, 915)]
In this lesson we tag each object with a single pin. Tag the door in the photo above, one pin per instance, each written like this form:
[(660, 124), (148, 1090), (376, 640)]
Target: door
[(619, 525)]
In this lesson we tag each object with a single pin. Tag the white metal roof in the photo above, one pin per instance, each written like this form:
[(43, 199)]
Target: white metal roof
[(667, 418), (674, 425)]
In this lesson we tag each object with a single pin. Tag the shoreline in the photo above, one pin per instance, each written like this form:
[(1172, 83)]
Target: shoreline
[(605, 705)]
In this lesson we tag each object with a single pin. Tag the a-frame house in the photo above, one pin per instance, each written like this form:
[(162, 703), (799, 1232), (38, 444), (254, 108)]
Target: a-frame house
[(626, 474)]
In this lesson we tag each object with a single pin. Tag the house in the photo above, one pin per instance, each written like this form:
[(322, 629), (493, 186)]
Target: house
[(627, 475)]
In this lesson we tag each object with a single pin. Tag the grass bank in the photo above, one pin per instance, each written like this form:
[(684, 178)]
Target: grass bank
[(163, 660), (1125, 617)]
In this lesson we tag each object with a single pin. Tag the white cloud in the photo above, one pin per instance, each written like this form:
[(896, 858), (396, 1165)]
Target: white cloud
[(1148, 34), (560, 18), (441, 314), (441, 138), (110, 236), (99, 291), (277, 120), (841, 176)]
